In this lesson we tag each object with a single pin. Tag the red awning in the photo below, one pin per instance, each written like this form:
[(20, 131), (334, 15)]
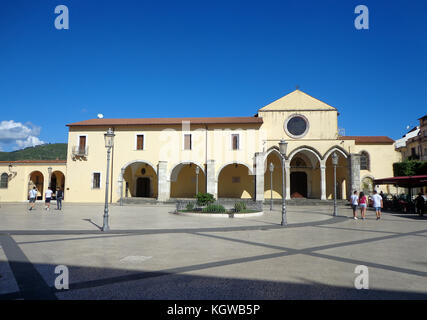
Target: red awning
[(406, 182)]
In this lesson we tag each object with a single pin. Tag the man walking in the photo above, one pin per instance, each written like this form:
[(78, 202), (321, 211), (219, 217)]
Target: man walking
[(377, 204), (48, 197), (32, 194), (354, 203), (59, 197)]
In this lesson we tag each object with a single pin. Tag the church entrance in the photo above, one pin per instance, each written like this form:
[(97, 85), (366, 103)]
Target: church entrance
[(143, 187), (298, 184)]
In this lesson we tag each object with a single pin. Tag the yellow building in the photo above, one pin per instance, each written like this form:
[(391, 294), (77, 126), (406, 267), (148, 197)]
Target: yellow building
[(157, 158)]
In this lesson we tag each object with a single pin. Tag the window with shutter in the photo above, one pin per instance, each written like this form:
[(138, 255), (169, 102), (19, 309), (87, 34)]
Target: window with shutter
[(4, 180), (235, 141), (187, 142), (140, 142), (82, 144), (96, 180)]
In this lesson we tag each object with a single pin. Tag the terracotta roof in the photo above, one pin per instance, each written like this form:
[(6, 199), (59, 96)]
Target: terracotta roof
[(369, 139), (166, 121), (34, 161)]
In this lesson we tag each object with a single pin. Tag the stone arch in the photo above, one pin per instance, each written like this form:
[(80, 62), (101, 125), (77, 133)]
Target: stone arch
[(367, 184), (273, 180), (36, 179), (332, 149), (305, 181), (140, 179), (57, 180), (236, 180), (235, 163), (177, 167), (307, 149), (183, 180)]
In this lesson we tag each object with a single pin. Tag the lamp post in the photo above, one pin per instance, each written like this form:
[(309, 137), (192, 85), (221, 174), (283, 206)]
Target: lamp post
[(283, 145), (109, 142), (334, 163), (271, 185), (197, 179), (121, 186), (49, 170)]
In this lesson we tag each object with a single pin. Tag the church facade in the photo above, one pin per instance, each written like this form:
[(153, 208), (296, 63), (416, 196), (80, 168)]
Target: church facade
[(230, 157)]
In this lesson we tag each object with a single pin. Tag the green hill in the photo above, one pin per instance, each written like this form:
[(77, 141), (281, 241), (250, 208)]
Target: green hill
[(52, 151)]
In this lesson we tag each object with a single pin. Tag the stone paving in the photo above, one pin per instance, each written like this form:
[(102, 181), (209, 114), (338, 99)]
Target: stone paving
[(152, 253)]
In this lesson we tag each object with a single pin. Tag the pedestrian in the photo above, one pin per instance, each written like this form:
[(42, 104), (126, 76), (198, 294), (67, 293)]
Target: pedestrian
[(377, 204), (363, 203), (32, 194), (420, 204), (48, 197), (59, 197), (354, 203)]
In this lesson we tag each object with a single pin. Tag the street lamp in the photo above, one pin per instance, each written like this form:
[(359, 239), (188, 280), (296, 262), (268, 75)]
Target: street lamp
[(121, 186), (334, 163), (197, 179), (109, 142), (271, 185), (283, 146)]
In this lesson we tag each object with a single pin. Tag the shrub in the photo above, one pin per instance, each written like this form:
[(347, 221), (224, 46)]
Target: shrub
[(409, 168), (239, 206), (189, 206), (213, 208), (204, 199)]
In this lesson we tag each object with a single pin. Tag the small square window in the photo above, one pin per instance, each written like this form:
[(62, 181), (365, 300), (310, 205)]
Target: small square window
[(235, 179)]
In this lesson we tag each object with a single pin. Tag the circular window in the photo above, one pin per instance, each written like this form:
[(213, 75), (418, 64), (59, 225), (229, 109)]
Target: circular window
[(296, 126), (143, 171)]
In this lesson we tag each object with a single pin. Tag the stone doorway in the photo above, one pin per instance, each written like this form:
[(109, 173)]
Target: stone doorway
[(298, 184)]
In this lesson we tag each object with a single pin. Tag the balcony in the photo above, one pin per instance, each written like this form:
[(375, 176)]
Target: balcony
[(79, 152)]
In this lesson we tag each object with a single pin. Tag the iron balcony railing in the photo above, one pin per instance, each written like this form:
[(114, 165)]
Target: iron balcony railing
[(80, 151)]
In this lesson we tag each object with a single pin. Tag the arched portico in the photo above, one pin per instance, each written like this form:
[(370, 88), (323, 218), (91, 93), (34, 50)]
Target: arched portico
[(273, 181), (36, 179), (183, 180), (235, 180), (57, 180), (139, 179), (304, 173), (341, 174)]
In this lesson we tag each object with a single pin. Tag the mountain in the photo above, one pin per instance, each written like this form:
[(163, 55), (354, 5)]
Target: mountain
[(49, 151)]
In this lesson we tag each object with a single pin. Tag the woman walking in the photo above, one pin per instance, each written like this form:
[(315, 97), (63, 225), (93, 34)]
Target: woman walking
[(363, 203)]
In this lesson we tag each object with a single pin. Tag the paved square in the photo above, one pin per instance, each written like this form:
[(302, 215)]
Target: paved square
[(152, 253)]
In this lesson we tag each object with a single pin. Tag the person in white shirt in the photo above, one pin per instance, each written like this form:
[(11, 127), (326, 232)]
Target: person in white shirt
[(32, 195), (354, 203), (48, 197), (377, 203)]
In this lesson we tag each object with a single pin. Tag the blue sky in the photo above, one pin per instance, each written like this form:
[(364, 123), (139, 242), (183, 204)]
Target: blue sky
[(130, 59)]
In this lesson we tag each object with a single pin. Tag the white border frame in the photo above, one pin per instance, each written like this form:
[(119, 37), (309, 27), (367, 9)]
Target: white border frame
[(285, 125), (136, 141), (238, 141), (183, 141), (91, 180)]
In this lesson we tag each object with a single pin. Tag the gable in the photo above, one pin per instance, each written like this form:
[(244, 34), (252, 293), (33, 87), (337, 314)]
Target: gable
[(298, 101)]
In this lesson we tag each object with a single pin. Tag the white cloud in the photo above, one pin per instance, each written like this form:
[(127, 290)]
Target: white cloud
[(22, 135)]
